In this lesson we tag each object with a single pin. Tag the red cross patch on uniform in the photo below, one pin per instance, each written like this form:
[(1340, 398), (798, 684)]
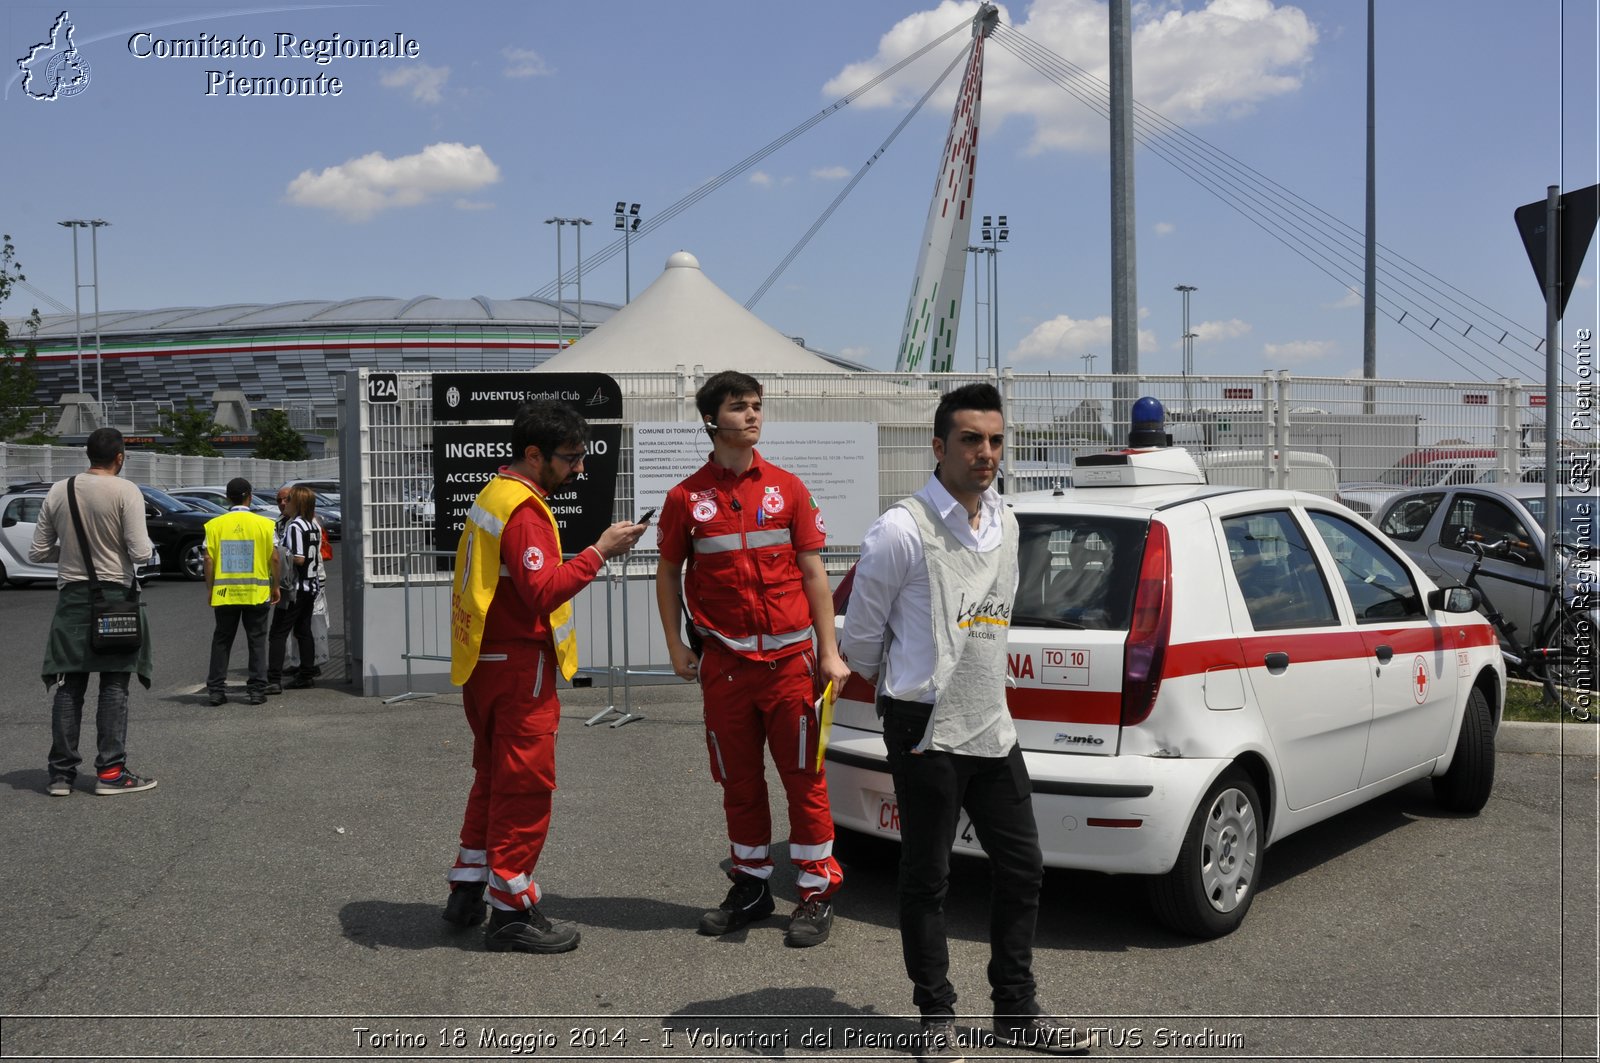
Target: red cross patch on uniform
[(772, 501), (704, 510), (533, 559)]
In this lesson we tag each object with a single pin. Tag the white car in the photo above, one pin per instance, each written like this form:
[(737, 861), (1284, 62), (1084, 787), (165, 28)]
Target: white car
[(1201, 671), (19, 515)]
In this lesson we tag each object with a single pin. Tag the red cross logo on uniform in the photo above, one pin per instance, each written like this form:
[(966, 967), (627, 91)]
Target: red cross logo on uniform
[(1419, 680)]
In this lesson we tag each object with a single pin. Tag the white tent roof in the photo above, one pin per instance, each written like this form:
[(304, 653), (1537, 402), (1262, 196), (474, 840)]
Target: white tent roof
[(685, 319)]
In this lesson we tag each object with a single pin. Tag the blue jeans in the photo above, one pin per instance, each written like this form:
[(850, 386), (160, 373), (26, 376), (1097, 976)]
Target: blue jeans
[(257, 619), (111, 721)]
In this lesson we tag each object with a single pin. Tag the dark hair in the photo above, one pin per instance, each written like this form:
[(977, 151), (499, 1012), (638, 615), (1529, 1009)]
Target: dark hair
[(238, 490), (103, 446), (708, 400), (547, 425), (966, 397)]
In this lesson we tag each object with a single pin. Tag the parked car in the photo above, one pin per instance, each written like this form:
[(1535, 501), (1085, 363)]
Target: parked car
[(19, 515), (1434, 527), (200, 504), (329, 505), (1420, 468), (179, 531), (264, 504), (1307, 469), (1202, 671)]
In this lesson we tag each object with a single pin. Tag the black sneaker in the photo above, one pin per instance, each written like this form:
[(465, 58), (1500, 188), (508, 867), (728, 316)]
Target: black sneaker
[(126, 782), (527, 931), (1040, 1033), (466, 906), (274, 688), (937, 1042), (300, 682), (810, 923), (257, 699), (60, 786), (217, 699), (748, 900)]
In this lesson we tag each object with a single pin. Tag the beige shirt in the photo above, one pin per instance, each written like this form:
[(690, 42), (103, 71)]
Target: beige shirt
[(113, 517)]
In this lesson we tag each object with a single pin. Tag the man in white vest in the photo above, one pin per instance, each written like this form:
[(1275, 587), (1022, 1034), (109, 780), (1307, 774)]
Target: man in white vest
[(928, 619)]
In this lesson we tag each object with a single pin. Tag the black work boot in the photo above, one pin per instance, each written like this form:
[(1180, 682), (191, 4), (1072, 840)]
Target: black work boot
[(748, 900), (466, 906), (810, 924), (527, 931)]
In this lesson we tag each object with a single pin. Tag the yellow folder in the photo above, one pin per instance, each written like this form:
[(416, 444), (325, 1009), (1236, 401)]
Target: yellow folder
[(824, 722)]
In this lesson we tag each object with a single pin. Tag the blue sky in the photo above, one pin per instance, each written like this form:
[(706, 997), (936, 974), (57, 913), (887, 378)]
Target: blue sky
[(433, 175)]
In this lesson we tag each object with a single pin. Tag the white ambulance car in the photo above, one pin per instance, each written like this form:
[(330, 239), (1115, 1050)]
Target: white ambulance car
[(1200, 671)]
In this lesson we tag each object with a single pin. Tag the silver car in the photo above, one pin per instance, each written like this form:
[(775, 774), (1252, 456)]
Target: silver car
[(1434, 526)]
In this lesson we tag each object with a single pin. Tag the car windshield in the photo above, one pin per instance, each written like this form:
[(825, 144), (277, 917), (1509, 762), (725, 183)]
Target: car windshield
[(1077, 571)]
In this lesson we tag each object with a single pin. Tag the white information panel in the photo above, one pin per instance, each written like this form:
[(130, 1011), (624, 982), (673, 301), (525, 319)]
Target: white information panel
[(837, 460)]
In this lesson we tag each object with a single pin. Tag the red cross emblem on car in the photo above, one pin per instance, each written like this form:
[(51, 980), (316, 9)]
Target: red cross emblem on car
[(1419, 680)]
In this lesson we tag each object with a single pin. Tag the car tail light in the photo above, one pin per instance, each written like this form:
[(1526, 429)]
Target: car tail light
[(1146, 650)]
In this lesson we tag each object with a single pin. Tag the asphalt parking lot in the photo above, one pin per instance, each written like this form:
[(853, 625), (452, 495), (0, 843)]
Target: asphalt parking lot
[(278, 895)]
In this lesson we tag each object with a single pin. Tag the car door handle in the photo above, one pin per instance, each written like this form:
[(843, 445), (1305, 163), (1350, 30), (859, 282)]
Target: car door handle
[(1385, 654), (1277, 663)]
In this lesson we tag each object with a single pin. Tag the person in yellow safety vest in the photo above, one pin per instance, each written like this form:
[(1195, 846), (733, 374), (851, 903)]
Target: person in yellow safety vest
[(511, 633), (241, 566)]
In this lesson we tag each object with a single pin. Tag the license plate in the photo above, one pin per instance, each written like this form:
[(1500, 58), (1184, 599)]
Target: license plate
[(888, 819)]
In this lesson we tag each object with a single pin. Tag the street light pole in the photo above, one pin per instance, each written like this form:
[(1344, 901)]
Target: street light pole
[(580, 223), (560, 305), (628, 221), (995, 234), (94, 244), (1188, 344), (77, 290)]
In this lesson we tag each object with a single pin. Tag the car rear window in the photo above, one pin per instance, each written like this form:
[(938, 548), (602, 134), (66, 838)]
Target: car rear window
[(1077, 571)]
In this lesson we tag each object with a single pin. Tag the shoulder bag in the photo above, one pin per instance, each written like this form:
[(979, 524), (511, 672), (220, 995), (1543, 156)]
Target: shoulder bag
[(114, 627)]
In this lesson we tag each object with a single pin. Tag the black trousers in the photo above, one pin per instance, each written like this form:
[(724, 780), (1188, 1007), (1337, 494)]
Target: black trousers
[(295, 619), (932, 789), (256, 619)]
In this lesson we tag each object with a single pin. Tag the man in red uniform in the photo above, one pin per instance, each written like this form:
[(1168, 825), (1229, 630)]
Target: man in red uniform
[(511, 634), (760, 605)]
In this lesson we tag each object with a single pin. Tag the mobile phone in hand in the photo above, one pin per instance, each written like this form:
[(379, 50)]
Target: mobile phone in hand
[(644, 518)]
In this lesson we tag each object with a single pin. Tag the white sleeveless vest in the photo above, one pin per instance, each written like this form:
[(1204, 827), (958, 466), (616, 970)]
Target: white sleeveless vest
[(972, 596)]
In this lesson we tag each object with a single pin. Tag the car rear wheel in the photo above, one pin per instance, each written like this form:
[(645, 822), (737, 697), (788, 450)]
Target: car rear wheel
[(1209, 890), (1466, 786), (192, 559)]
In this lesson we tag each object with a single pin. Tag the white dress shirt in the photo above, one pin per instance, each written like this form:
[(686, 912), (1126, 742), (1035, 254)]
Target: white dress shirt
[(891, 594)]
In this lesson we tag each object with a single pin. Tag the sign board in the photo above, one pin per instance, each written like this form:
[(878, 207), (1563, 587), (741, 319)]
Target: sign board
[(836, 460), (383, 387), (466, 456), (496, 396), (1578, 212), (1536, 400), (1238, 393), (1475, 399)]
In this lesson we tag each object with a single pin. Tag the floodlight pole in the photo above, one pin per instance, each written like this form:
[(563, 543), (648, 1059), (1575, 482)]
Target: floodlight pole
[(560, 332), (1188, 345), (94, 244), (77, 290), (628, 222), (580, 223)]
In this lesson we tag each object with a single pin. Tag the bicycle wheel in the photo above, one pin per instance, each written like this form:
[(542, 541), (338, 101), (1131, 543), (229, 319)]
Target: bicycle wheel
[(1569, 668)]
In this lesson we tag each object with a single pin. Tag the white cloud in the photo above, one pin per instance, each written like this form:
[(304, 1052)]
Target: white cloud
[(1349, 301), (1065, 339), (424, 81), (1211, 331), (831, 173), (1193, 66), (1165, 228), (1297, 352), (525, 63), (360, 188), (762, 178), (856, 354), (1585, 282)]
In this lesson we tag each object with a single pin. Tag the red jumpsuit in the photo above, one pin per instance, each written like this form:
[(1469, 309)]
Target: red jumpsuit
[(511, 705), (739, 535)]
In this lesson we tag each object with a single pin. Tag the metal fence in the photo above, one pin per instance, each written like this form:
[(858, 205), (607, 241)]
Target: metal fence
[(1364, 426), (19, 464)]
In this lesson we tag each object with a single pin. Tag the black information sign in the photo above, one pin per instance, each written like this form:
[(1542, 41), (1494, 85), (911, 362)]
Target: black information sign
[(466, 456), (383, 387), (496, 396)]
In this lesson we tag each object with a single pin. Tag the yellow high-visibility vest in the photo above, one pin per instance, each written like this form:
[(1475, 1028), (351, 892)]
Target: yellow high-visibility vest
[(240, 544), (478, 575)]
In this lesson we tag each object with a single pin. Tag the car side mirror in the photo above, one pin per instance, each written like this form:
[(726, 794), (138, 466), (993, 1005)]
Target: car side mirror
[(1453, 600)]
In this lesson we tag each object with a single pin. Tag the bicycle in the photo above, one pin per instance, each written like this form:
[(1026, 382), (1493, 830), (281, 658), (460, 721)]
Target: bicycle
[(1554, 655)]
